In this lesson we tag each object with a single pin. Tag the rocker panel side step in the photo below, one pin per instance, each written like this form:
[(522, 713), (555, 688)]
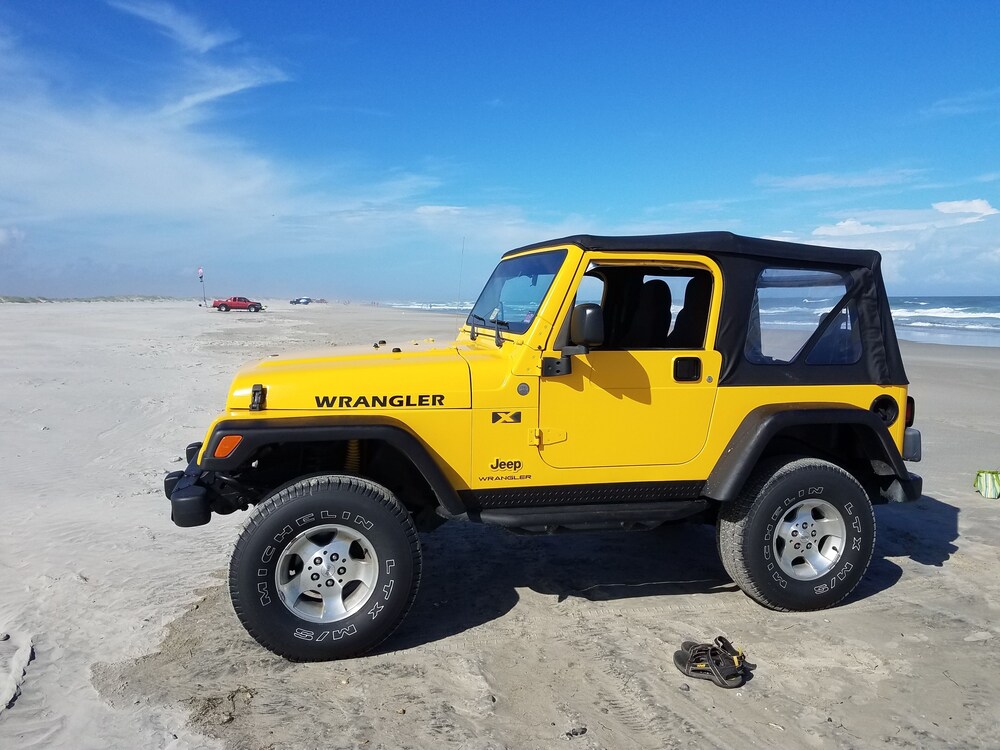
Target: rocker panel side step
[(549, 520)]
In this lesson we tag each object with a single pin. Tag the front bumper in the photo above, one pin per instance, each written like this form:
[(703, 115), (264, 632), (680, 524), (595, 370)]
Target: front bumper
[(195, 493), (189, 496), (190, 504)]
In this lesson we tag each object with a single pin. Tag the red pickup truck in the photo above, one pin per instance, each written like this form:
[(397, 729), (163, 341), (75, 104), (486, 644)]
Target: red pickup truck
[(237, 303)]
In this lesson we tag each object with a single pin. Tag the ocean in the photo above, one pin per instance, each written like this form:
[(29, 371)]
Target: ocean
[(963, 321), (969, 321)]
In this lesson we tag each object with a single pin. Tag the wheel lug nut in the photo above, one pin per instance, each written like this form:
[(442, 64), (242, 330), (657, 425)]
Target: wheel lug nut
[(794, 533), (318, 561), (329, 582), (341, 571), (315, 576)]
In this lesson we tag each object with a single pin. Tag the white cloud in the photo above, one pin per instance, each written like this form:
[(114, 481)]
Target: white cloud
[(942, 249), (102, 195), (131, 179), (438, 210), (969, 103), (941, 215), (975, 210), (839, 181), (846, 228), (182, 28), (216, 82)]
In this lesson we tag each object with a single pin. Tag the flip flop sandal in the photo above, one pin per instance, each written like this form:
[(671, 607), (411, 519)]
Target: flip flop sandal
[(706, 661), (739, 658), (719, 662), (726, 646)]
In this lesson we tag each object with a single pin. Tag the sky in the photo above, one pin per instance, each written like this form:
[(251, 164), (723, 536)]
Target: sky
[(392, 151)]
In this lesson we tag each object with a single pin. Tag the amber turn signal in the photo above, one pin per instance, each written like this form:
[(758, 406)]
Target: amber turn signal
[(227, 445)]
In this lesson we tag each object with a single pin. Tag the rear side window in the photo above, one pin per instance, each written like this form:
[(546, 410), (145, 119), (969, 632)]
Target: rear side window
[(789, 306)]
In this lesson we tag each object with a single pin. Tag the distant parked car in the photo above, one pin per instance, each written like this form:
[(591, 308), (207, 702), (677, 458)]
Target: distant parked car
[(300, 301), (237, 303)]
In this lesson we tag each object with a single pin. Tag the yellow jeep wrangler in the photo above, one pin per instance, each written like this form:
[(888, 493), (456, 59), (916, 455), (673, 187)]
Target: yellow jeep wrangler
[(598, 383)]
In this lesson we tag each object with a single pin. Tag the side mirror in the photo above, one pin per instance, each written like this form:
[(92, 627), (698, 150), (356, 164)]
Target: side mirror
[(586, 327)]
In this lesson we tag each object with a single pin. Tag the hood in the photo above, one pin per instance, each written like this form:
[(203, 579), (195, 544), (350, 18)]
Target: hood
[(434, 379)]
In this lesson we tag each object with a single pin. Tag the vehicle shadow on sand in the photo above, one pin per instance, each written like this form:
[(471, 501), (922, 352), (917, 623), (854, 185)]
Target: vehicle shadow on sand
[(472, 573), (924, 531)]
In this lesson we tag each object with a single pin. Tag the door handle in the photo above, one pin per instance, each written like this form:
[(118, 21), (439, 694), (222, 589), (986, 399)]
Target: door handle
[(687, 369)]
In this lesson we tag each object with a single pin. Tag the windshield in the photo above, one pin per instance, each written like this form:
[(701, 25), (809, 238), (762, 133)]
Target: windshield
[(517, 287)]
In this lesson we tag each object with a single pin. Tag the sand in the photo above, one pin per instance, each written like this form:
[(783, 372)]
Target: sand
[(119, 631)]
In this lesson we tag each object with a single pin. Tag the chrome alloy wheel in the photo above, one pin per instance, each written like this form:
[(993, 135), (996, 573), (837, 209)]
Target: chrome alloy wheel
[(809, 539), (327, 573)]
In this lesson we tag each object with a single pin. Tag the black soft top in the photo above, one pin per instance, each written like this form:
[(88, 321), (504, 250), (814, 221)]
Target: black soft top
[(742, 259), (715, 243)]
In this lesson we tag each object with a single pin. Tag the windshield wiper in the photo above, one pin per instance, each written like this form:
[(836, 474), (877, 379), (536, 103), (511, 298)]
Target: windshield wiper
[(473, 334), (496, 331)]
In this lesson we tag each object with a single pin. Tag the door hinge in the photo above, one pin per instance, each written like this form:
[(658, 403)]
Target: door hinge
[(542, 437)]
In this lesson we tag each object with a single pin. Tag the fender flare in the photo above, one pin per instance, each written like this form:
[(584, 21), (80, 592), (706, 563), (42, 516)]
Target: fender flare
[(260, 432), (759, 426)]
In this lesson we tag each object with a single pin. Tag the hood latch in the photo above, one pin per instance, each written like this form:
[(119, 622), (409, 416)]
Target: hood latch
[(258, 395)]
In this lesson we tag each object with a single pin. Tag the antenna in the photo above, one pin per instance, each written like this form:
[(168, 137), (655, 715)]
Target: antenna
[(461, 268)]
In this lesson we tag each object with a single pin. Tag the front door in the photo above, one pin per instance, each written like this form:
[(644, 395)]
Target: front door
[(626, 408), (645, 397)]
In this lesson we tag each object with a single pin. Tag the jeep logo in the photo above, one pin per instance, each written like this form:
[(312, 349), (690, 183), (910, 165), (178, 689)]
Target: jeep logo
[(499, 465)]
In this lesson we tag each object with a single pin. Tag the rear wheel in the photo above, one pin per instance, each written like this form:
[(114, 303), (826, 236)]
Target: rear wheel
[(800, 535), (325, 569), (223, 308)]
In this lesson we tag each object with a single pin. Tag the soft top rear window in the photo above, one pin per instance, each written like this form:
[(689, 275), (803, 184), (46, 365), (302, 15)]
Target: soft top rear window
[(788, 307)]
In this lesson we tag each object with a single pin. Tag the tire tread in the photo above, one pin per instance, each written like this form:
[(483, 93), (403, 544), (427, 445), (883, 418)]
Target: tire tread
[(309, 486), (735, 517)]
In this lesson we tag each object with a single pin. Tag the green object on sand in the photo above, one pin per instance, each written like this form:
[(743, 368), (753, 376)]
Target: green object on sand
[(988, 484)]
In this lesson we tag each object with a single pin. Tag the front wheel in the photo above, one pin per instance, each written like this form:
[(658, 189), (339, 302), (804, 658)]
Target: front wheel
[(254, 308), (326, 568), (800, 535)]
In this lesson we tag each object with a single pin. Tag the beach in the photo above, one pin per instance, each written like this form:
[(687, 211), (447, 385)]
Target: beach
[(119, 631)]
